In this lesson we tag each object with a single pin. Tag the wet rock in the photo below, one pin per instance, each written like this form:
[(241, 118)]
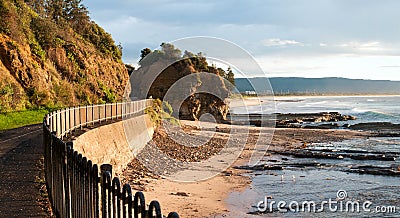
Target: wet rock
[(346, 125), (386, 127), (373, 157), (260, 167), (323, 126), (303, 165), (293, 120), (274, 161), (374, 170), (388, 134), (339, 154)]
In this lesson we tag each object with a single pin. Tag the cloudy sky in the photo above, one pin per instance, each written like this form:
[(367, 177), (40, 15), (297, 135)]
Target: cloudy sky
[(304, 38)]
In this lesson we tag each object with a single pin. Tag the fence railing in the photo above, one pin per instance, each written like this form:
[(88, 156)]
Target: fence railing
[(66, 120), (76, 186)]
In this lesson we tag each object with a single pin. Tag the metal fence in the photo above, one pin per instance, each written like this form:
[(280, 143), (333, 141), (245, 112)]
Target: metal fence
[(66, 120), (76, 186)]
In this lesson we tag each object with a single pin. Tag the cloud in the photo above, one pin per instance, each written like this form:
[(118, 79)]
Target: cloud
[(393, 66), (280, 42), (363, 48), (368, 46)]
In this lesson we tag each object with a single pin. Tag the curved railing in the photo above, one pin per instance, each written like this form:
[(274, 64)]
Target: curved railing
[(66, 120), (76, 186)]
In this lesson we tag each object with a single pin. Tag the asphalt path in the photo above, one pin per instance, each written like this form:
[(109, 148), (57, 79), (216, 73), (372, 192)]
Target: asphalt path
[(21, 150)]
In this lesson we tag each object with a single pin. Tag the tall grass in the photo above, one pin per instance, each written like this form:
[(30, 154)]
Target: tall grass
[(13, 120)]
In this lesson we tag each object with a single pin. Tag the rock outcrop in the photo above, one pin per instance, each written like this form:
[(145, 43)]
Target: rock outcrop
[(288, 120)]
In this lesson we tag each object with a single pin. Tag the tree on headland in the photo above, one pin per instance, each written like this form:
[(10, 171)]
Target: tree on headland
[(72, 11), (77, 15), (38, 6), (170, 51), (144, 52), (230, 76), (55, 9), (188, 54), (167, 52)]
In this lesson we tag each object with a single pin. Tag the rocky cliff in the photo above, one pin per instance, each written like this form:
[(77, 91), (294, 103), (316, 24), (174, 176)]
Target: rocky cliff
[(48, 62)]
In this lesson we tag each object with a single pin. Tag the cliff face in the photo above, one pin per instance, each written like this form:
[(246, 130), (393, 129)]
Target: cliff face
[(47, 64)]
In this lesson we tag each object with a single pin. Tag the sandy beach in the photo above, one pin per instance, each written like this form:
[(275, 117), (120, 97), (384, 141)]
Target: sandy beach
[(208, 198)]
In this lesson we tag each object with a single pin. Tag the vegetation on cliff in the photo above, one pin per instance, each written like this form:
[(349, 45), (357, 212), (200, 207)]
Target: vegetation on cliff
[(161, 111), (53, 55)]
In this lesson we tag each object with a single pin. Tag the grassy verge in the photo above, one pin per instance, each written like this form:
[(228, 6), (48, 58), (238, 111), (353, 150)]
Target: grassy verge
[(21, 118)]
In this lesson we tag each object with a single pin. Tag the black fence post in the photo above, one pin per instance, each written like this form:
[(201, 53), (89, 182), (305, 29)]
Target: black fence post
[(116, 197), (173, 215), (105, 168), (95, 185), (106, 174), (73, 182), (79, 185), (70, 171), (84, 186), (127, 201), (154, 210), (90, 211), (139, 205), (67, 157)]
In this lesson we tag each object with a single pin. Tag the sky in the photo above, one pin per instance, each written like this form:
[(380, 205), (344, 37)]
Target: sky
[(302, 38)]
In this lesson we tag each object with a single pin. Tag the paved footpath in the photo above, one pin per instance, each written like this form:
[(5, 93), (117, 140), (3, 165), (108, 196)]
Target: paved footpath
[(20, 153)]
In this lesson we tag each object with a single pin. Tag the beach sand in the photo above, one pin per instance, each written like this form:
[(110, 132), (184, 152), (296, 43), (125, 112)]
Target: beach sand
[(207, 198)]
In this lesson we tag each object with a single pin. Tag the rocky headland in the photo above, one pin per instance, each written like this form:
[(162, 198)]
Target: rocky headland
[(187, 82)]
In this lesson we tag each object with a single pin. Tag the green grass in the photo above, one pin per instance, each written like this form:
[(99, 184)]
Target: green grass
[(13, 120)]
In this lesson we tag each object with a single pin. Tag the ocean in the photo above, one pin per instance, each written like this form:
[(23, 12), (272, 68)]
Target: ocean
[(325, 179), (365, 108)]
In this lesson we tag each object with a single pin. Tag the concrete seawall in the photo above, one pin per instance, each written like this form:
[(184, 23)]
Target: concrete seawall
[(113, 144)]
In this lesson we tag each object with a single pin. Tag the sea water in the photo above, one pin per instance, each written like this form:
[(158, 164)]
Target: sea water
[(322, 182), (365, 108)]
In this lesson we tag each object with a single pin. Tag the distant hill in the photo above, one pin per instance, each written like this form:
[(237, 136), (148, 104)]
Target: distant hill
[(296, 85)]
